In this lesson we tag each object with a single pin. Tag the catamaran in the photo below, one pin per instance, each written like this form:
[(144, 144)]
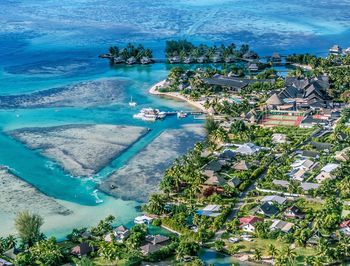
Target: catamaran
[(132, 103), (150, 114)]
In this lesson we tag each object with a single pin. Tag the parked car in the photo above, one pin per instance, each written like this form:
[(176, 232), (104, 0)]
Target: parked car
[(233, 239)]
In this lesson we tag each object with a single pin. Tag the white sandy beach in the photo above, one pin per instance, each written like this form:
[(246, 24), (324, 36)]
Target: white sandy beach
[(175, 95)]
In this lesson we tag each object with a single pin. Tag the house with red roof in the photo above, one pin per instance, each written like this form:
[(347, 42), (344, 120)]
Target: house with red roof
[(247, 223), (345, 227)]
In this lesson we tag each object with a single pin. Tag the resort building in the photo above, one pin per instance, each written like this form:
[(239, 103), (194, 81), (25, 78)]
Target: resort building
[(247, 149), (154, 243), (119, 234), (278, 138)]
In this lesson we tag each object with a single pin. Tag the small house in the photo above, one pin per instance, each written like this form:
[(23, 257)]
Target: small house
[(234, 182), (343, 155), (294, 213), (247, 223), (281, 183), (306, 186), (5, 262), (345, 227), (274, 199), (267, 209), (241, 166), (282, 226), (82, 249), (329, 168), (324, 176), (210, 211)]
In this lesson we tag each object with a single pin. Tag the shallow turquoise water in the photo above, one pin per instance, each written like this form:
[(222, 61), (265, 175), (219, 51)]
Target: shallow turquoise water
[(46, 44)]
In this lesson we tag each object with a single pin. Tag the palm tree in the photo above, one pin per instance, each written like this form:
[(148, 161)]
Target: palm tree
[(309, 260), (272, 251), (211, 125), (28, 227), (47, 252), (257, 255), (84, 261), (156, 204), (289, 254)]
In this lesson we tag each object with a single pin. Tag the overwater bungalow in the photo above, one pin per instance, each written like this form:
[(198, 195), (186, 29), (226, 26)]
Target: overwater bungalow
[(201, 59), (118, 60), (217, 58), (131, 61), (188, 60), (145, 60), (250, 55), (230, 59), (276, 57), (175, 60)]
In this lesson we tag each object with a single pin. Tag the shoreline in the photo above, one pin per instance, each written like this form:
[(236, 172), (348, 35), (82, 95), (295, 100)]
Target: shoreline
[(175, 95)]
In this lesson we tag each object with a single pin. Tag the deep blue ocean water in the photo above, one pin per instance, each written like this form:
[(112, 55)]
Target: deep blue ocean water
[(51, 43)]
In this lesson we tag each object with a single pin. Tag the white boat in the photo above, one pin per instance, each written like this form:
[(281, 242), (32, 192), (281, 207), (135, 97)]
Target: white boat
[(150, 118), (181, 114), (132, 103), (161, 115), (143, 220), (138, 116), (149, 114)]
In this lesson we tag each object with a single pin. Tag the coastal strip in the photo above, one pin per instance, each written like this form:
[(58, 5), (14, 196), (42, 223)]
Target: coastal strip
[(83, 149), (143, 173), (175, 95)]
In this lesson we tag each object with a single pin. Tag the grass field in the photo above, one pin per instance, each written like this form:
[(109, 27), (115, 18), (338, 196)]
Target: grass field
[(263, 244)]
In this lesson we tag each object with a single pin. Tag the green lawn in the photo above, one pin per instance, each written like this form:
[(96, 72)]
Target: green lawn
[(263, 244)]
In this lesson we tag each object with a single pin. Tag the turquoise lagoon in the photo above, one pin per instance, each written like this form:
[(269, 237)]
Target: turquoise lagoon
[(55, 43)]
